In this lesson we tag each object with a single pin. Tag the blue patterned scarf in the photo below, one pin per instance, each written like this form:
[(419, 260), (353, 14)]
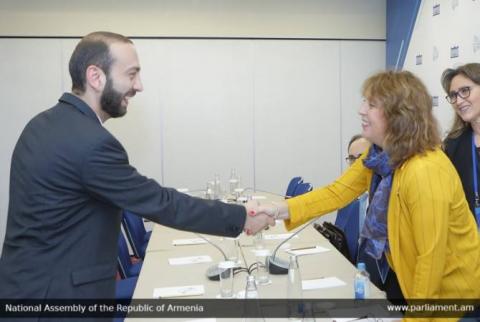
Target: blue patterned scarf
[(375, 227)]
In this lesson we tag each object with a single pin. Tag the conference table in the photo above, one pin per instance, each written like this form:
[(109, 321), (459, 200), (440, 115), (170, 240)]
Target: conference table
[(157, 272)]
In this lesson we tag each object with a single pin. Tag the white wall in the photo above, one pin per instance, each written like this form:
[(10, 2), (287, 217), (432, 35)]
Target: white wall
[(433, 36), (256, 106), (201, 18), (209, 104), (19, 59), (270, 109)]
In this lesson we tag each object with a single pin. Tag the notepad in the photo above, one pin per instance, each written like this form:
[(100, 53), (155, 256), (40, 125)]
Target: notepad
[(178, 291), (188, 241), (189, 260), (306, 250), (326, 282)]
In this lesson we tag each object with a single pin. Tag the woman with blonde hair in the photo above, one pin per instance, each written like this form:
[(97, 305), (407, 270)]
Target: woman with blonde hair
[(418, 222)]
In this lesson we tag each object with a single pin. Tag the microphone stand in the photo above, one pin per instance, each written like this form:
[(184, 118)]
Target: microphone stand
[(279, 266), (213, 272)]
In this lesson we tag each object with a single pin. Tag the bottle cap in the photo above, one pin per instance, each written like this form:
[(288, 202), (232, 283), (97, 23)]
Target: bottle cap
[(361, 266)]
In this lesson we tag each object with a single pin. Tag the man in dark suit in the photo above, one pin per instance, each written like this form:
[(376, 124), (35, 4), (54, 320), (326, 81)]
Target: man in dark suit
[(70, 179)]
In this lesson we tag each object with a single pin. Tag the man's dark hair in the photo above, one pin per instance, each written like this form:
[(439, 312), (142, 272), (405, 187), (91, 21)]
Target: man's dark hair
[(353, 139), (93, 49)]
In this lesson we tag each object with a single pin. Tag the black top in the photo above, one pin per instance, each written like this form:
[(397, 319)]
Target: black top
[(459, 150)]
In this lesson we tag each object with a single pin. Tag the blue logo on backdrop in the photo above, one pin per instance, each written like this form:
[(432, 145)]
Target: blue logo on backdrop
[(476, 43), (434, 53), (454, 51), (436, 10), (418, 60), (454, 4)]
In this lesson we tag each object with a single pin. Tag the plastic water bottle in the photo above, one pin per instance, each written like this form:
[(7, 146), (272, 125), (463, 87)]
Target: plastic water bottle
[(294, 285), (258, 240), (234, 181), (217, 187), (294, 290), (251, 291), (209, 190), (362, 282)]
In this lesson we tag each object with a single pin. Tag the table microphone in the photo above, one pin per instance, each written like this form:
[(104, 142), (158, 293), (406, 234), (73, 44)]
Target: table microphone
[(213, 272), (279, 266)]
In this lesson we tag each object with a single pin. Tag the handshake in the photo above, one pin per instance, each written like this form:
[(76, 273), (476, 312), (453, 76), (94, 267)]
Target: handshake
[(260, 216)]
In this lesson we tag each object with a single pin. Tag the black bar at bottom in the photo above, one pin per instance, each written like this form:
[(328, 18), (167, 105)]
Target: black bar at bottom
[(205, 308)]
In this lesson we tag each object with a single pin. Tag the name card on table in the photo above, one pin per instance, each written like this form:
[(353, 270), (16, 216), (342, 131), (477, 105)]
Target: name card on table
[(188, 241), (189, 260), (326, 282), (278, 236), (178, 291)]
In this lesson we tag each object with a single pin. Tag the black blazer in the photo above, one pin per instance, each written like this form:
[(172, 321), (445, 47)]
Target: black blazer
[(459, 150), (70, 179)]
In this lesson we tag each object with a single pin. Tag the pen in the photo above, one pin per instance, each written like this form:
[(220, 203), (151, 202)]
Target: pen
[(302, 248)]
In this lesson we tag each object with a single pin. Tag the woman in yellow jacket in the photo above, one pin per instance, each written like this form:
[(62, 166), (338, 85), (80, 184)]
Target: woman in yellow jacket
[(418, 218)]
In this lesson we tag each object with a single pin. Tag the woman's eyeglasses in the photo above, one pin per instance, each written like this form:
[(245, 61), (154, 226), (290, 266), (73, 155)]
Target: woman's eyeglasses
[(352, 158), (463, 92)]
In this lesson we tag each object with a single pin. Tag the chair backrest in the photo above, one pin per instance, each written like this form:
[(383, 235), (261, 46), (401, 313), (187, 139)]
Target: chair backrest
[(335, 235), (292, 185), (135, 232), (348, 220), (302, 188), (123, 258)]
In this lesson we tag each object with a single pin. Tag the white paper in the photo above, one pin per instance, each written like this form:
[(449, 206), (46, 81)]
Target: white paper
[(326, 282), (307, 250), (188, 241), (177, 291), (258, 197), (189, 260), (352, 319), (278, 236)]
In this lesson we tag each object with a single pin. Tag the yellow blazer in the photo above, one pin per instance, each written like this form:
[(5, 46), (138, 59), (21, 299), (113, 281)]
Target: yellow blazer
[(433, 237)]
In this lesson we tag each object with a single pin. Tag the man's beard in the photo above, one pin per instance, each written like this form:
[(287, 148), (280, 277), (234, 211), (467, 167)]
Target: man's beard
[(111, 100)]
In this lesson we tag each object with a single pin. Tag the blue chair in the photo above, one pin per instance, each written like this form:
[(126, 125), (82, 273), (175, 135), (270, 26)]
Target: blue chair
[(348, 221), (124, 291), (136, 234), (292, 185), (125, 287), (302, 188), (125, 266)]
